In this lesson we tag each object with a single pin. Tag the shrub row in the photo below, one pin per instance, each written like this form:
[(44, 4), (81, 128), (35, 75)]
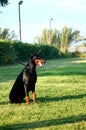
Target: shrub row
[(11, 52), (7, 53)]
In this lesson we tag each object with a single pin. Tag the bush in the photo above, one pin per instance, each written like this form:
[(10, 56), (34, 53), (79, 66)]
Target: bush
[(7, 53), (24, 50), (83, 55), (11, 52)]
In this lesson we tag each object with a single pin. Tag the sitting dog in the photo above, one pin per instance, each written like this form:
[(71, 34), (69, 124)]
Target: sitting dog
[(26, 81)]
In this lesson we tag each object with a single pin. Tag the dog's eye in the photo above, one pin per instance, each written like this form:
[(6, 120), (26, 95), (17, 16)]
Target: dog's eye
[(37, 61)]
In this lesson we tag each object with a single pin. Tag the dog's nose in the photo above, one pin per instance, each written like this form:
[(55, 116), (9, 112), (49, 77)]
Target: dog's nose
[(44, 61)]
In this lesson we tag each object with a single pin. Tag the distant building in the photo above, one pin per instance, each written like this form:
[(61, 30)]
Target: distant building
[(76, 48)]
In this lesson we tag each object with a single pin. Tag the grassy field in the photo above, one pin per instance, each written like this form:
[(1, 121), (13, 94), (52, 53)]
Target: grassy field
[(61, 95)]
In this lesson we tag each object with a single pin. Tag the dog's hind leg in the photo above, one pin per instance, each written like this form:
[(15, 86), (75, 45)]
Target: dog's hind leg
[(14, 98)]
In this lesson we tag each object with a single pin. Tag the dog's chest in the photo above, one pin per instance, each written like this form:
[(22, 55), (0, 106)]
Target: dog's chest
[(32, 77), (29, 76)]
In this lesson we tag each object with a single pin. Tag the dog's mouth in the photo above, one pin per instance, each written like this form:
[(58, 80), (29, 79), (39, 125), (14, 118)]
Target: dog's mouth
[(40, 63)]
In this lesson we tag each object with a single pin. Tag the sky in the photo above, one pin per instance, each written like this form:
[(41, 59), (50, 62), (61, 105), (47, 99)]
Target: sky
[(36, 15)]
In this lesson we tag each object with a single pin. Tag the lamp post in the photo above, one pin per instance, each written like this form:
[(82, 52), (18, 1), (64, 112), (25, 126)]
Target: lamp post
[(50, 30), (0, 27), (20, 2)]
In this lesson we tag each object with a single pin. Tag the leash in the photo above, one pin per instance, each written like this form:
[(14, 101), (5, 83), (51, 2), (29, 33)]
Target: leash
[(21, 62)]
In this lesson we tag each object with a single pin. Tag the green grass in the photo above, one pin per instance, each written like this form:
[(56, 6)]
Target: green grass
[(61, 95)]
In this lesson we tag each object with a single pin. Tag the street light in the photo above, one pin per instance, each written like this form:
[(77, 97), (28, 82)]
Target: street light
[(20, 2), (50, 30), (0, 27)]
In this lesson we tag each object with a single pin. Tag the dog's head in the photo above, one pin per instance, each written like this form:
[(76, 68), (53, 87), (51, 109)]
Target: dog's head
[(37, 60)]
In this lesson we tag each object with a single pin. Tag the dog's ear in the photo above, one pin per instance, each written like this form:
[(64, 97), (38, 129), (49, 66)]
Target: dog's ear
[(38, 53), (32, 54)]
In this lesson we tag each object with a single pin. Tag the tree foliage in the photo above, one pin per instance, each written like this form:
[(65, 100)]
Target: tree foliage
[(46, 36), (67, 37), (3, 2), (5, 34), (62, 39)]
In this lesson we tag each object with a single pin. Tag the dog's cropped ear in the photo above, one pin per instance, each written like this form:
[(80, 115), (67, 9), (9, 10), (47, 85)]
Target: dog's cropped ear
[(32, 54), (39, 52)]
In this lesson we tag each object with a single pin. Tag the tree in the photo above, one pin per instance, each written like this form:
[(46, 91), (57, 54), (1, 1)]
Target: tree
[(3, 2), (55, 37), (62, 39), (46, 37), (67, 37), (6, 35)]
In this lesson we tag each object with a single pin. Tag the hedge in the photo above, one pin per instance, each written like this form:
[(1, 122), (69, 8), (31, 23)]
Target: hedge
[(7, 53), (11, 52)]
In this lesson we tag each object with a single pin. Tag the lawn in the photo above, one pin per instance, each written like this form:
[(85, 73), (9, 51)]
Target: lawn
[(61, 95)]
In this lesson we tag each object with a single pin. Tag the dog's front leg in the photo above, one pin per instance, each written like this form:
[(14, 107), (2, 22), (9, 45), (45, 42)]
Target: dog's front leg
[(34, 96), (27, 94)]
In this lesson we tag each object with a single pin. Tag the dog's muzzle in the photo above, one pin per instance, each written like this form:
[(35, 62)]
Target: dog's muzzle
[(40, 62)]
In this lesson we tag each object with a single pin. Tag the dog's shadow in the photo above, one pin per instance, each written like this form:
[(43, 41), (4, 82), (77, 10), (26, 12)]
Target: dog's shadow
[(60, 98), (4, 102), (51, 99)]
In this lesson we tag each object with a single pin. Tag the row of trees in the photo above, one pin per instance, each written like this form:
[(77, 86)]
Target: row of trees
[(62, 39)]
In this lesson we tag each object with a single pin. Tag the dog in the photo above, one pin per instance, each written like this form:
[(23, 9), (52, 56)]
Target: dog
[(26, 81)]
